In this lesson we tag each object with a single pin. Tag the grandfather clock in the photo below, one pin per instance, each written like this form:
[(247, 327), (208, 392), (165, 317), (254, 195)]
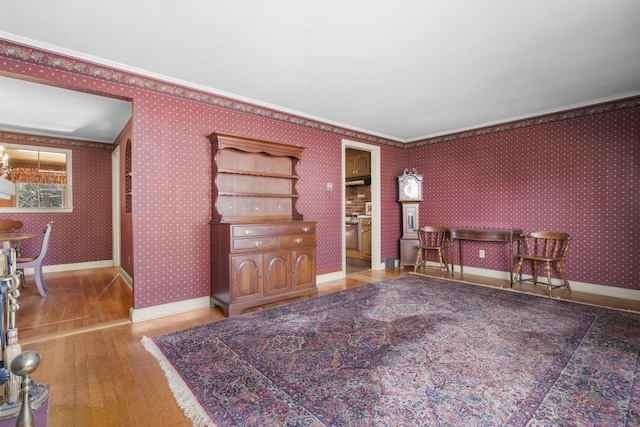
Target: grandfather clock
[(410, 196)]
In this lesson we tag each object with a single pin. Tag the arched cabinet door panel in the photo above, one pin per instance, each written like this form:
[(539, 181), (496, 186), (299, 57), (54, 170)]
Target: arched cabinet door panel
[(277, 273), (304, 270), (246, 277)]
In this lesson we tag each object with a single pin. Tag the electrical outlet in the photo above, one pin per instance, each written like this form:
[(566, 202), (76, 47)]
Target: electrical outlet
[(481, 254)]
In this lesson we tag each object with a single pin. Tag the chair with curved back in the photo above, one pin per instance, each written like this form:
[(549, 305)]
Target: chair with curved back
[(546, 247), (36, 261), (435, 239), (12, 226)]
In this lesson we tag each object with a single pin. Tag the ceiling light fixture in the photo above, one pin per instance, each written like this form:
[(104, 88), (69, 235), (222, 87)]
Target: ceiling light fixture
[(5, 169)]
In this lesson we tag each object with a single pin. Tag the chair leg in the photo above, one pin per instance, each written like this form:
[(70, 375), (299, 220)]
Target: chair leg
[(535, 272), (443, 259), (518, 273), (22, 279), (415, 266), (547, 267), (42, 287), (562, 275), (440, 262)]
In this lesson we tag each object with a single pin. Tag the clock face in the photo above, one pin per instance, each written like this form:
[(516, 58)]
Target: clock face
[(410, 189)]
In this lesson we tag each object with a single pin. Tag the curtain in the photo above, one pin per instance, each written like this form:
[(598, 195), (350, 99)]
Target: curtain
[(37, 176)]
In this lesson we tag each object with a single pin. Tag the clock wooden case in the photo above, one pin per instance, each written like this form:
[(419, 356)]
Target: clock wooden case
[(410, 196), (262, 250)]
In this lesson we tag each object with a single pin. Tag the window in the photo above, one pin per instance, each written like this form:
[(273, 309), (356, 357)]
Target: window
[(42, 179), (41, 195)]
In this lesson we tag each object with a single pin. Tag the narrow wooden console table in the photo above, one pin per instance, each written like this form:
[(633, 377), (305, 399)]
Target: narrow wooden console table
[(486, 235)]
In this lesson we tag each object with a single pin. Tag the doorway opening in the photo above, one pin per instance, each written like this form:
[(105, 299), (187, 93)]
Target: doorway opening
[(361, 207)]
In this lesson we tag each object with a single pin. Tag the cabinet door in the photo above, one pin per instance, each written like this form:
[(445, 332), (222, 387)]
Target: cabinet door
[(245, 277), (350, 167), (363, 165), (357, 165), (276, 276), (304, 269), (365, 238)]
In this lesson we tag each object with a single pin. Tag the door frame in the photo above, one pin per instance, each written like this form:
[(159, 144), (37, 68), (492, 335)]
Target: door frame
[(376, 214)]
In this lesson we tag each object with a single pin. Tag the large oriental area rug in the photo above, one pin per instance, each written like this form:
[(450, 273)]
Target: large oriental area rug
[(410, 351)]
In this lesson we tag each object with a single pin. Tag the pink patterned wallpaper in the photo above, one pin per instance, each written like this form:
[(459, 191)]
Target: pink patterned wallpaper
[(581, 176), (172, 183), (171, 207)]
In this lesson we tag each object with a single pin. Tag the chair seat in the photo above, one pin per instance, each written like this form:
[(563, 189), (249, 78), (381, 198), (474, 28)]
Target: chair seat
[(540, 258), (26, 259)]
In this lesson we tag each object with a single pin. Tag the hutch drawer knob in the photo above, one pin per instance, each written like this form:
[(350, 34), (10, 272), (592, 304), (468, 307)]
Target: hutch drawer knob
[(305, 229), (247, 232), (298, 240), (257, 243)]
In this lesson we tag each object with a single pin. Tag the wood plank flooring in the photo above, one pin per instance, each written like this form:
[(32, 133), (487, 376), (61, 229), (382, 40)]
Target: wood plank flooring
[(99, 373)]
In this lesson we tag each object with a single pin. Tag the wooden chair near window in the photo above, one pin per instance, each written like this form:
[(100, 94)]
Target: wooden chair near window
[(36, 262), (434, 239), (12, 226), (548, 248)]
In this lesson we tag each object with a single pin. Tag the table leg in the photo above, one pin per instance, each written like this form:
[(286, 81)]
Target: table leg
[(510, 261), (451, 255), (460, 249)]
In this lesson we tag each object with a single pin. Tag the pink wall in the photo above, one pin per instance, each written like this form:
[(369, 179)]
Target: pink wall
[(580, 175), (172, 187)]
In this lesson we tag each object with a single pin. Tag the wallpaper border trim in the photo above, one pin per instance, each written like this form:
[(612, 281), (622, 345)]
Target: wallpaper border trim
[(575, 113), (32, 139)]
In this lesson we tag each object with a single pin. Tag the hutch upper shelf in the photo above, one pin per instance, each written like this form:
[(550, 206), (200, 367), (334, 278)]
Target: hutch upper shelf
[(253, 180)]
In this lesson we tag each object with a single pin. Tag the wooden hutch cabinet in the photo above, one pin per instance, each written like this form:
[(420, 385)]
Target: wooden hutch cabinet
[(262, 250)]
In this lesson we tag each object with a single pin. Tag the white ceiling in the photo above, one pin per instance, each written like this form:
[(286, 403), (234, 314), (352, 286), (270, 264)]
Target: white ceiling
[(48, 110), (405, 70)]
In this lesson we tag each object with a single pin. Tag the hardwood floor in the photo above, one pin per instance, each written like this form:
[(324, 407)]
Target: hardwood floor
[(77, 301), (99, 373)]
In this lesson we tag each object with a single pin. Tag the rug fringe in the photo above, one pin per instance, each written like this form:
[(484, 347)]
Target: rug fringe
[(181, 391)]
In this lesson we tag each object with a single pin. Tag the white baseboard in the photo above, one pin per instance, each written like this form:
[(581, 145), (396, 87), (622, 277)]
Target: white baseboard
[(329, 277), (82, 266), (162, 310), (591, 288), (156, 311), (71, 267), (127, 279)]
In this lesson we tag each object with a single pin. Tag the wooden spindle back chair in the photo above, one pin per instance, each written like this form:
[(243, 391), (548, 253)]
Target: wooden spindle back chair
[(436, 239), (546, 247)]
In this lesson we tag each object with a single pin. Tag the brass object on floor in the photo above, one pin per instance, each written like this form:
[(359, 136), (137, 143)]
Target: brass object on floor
[(23, 366)]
